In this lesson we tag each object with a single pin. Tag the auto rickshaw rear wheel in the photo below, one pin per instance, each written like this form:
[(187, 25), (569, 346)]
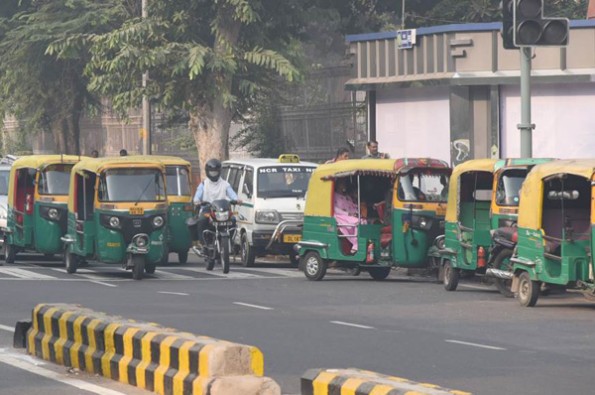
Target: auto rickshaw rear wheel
[(379, 273), (502, 262), (70, 262), (294, 259), (528, 290), (314, 266), (183, 257), (451, 276), (138, 266), (10, 252), (248, 252)]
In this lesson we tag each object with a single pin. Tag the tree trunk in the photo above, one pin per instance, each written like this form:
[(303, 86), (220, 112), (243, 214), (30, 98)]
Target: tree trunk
[(210, 122)]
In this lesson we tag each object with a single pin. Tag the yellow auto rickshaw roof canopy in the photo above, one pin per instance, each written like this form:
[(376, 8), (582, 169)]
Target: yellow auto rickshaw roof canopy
[(40, 161), (167, 160), (531, 204), (320, 188), (96, 165)]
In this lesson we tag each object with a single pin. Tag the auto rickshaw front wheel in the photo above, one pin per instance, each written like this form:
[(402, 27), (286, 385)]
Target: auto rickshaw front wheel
[(183, 257), (379, 273), (528, 290), (314, 266), (451, 276), (10, 252), (70, 262), (138, 266), (502, 262)]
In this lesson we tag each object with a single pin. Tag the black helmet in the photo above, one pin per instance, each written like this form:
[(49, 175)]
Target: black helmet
[(213, 169)]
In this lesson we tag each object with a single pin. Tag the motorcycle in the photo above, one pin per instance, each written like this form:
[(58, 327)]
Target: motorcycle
[(218, 234)]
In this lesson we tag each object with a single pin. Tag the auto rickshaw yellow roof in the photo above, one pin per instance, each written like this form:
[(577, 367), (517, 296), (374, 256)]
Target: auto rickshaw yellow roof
[(531, 204), (39, 161), (168, 160), (96, 165)]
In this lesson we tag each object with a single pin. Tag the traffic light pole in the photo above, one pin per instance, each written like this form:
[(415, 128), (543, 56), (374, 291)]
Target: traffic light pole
[(146, 125), (526, 127)]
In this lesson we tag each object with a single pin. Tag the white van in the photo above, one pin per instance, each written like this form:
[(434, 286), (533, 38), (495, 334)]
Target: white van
[(273, 193)]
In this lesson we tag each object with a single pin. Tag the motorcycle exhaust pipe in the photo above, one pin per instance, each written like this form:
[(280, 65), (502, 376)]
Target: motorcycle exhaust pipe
[(499, 274)]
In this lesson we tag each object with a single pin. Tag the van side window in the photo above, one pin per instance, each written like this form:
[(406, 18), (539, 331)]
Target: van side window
[(248, 185), (224, 172), (234, 177)]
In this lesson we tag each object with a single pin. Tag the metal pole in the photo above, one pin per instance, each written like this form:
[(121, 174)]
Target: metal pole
[(146, 127), (402, 14), (526, 127)]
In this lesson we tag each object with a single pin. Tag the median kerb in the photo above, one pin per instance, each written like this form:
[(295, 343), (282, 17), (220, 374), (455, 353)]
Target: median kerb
[(138, 353), (363, 382)]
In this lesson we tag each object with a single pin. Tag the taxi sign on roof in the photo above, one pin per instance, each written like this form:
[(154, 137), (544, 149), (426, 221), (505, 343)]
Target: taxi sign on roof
[(289, 158)]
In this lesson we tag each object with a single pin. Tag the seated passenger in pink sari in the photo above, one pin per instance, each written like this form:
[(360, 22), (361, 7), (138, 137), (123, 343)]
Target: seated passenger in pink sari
[(346, 213)]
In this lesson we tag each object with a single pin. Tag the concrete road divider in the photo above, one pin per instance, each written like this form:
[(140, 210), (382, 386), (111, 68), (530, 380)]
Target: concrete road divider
[(146, 355), (363, 382)]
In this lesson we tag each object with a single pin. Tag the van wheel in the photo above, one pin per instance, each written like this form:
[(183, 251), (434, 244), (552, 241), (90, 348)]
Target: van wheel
[(138, 266), (314, 266), (528, 290), (248, 253), (502, 262), (10, 252), (70, 262), (451, 277), (183, 257), (379, 273)]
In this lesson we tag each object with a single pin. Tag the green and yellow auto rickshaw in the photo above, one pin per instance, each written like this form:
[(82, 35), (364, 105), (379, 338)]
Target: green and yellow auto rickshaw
[(555, 238), (37, 196), (117, 213), (398, 212), (481, 217), (180, 207)]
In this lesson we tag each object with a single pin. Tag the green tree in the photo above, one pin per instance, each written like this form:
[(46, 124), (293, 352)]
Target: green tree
[(44, 87), (208, 58)]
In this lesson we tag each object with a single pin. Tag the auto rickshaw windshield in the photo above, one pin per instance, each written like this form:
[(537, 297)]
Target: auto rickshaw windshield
[(424, 185), (178, 182), (55, 179), (131, 185), (509, 187)]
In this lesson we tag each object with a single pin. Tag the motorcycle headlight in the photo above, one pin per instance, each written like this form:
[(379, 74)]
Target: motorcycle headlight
[(53, 214), (158, 221), (222, 215), (267, 216), (114, 222)]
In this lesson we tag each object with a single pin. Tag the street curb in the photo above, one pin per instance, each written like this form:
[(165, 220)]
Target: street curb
[(145, 355), (363, 382)]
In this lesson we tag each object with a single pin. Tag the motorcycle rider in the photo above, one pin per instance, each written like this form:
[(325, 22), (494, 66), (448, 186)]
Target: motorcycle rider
[(210, 189)]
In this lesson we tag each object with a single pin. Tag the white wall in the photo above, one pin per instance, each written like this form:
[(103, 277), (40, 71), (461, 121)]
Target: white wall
[(564, 118), (414, 122)]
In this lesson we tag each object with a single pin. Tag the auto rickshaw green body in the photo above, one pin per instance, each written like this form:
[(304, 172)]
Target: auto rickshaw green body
[(474, 212), (37, 204), (381, 243), (109, 230), (180, 207), (555, 240)]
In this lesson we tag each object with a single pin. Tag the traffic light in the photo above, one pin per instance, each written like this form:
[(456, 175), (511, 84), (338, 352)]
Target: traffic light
[(508, 24), (532, 29)]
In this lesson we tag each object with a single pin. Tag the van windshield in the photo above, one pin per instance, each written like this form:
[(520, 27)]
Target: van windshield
[(55, 179), (131, 185), (178, 181), (283, 181), (4, 182)]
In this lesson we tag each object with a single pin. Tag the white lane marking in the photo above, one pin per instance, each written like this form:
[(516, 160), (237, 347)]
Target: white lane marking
[(20, 273), (217, 273), (13, 360), (352, 325), (475, 345), (173, 293), (281, 272), (255, 306), (164, 275), (7, 328), (102, 283), (475, 287)]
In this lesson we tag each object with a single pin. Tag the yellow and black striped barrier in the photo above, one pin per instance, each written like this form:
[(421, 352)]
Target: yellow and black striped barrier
[(145, 355), (363, 382)]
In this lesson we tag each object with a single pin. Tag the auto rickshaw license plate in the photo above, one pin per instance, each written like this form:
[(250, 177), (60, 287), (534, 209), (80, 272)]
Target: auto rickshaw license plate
[(136, 210), (291, 238)]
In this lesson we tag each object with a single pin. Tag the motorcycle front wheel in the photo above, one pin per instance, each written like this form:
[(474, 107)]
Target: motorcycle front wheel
[(224, 253)]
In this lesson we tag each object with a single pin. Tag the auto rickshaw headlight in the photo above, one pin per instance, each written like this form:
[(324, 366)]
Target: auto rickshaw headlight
[(158, 221), (53, 214), (114, 222), (421, 222), (267, 216), (141, 241)]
